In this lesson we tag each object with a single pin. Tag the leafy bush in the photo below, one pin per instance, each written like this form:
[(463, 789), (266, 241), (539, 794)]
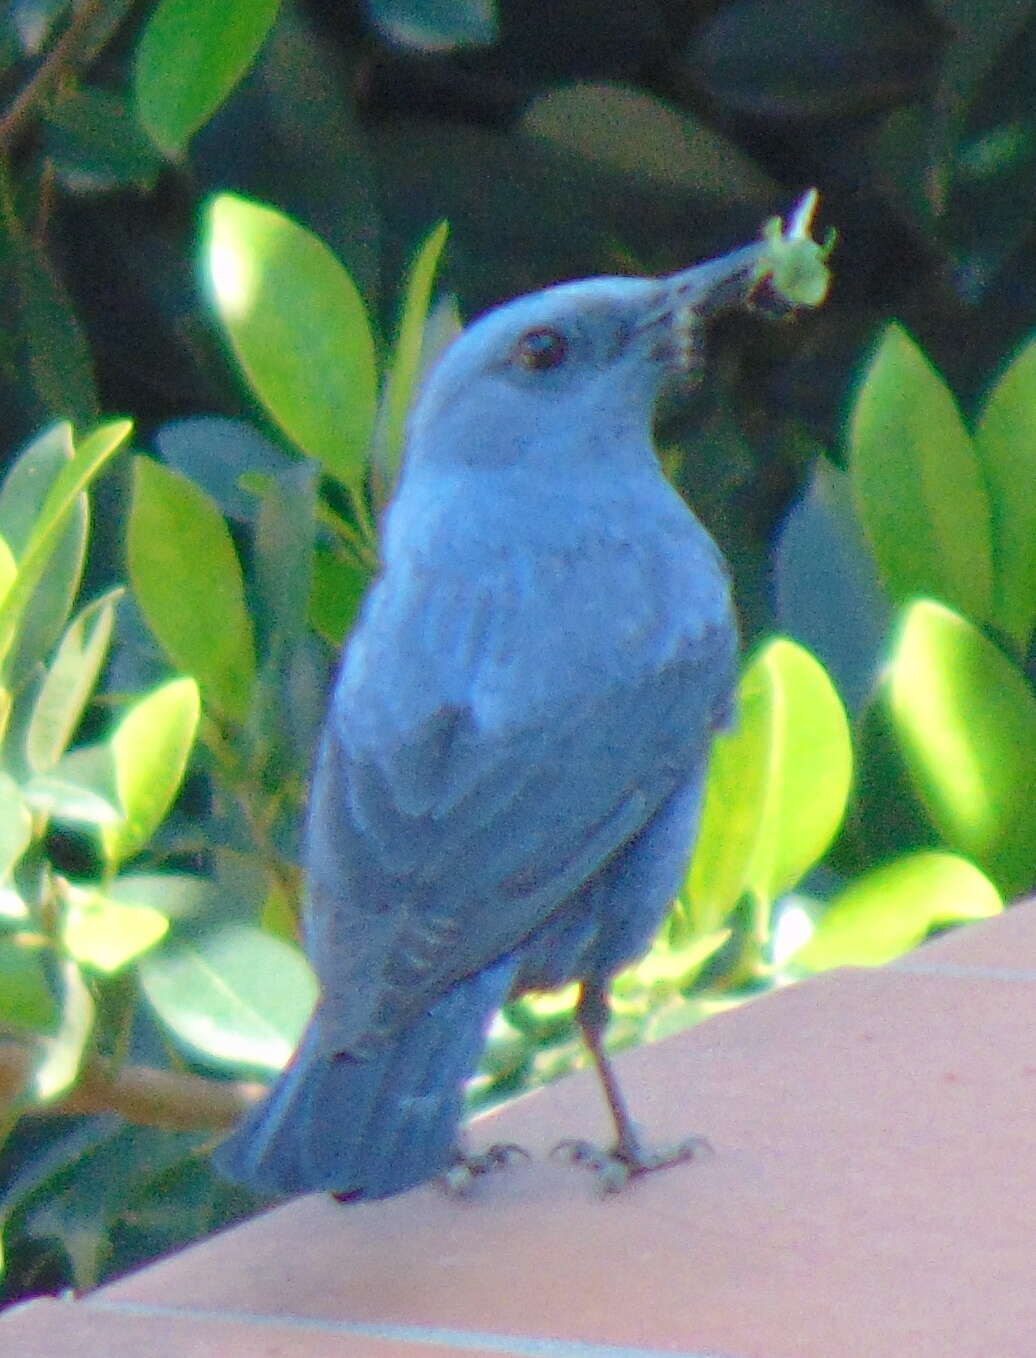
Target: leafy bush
[(155, 743)]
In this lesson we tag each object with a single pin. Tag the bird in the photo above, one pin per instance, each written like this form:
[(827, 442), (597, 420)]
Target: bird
[(510, 775)]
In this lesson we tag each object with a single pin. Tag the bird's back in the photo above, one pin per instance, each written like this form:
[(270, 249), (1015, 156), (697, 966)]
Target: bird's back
[(513, 709)]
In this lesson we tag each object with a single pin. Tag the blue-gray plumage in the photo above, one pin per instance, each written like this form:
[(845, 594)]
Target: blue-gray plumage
[(508, 783)]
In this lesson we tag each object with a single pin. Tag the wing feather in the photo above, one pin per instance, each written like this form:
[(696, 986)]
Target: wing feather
[(432, 856)]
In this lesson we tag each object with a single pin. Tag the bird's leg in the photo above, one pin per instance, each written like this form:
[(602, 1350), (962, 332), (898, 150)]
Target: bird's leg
[(467, 1166), (628, 1156)]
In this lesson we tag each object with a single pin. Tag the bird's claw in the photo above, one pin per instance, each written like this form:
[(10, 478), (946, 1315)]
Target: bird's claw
[(457, 1180), (615, 1167)]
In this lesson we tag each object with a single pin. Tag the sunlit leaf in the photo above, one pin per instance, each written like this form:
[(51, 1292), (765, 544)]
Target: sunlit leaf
[(965, 718), (918, 483), (15, 825), (81, 788), (1006, 443), (63, 1053), (68, 683), (43, 609), (188, 582), (299, 329), (189, 58), (406, 356), (8, 568), (50, 522), (236, 996), (894, 907), (778, 784), (150, 747), (105, 934)]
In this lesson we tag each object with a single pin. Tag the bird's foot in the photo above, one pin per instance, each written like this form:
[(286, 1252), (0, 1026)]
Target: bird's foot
[(615, 1167), (456, 1181)]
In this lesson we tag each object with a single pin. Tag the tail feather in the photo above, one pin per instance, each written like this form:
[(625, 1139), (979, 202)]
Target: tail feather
[(369, 1128)]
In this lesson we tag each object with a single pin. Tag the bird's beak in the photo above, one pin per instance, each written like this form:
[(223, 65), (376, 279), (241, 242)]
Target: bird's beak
[(784, 271)]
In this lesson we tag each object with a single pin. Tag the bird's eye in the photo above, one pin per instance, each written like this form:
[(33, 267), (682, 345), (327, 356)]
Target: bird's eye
[(541, 349)]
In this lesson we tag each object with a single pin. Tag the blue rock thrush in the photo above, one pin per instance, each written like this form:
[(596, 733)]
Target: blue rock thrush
[(509, 778)]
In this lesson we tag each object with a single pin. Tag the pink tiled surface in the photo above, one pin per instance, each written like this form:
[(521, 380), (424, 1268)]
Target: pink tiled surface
[(872, 1194)]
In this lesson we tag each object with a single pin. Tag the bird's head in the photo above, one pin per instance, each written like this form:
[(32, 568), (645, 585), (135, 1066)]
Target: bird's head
[(569, 373)]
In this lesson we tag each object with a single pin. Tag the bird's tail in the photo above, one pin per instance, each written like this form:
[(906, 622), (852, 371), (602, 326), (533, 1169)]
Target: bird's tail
[(373, 1127)]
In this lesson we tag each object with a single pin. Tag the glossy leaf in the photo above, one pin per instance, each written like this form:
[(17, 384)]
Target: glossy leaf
[(215, 453), (405, 364), (8, 568), (62, 1055), (22, 494), (105, 934), (235, 996), (965, 719), (1006, 443), (188, 582), (150, 746), (918, 484), (299, 329), (80, 788), (68, 683), (778, 784), (52, 518), (894, 907), (15, 825), (189, 58)]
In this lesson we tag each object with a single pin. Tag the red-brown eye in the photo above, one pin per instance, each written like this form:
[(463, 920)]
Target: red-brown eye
[(539, 350)]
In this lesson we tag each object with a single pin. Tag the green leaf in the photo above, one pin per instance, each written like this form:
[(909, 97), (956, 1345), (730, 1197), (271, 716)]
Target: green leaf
[(188, 582), (778, 784), (105, 934), (59, 503), (406, 357), (63, 1053), (96, 145), (27, 481), (15, 825), (26, 999), (236, 996), (8, 568), (337, 591), (190, 57), (21, 497), (1006, 444), (643, 138), (918, 483), (54, 363), (965, 719), (175, 895), (150, 746), (894, 907), (80, 789), (299, 329), (431, 26), (215, 453), (68, 683), (283, 558)]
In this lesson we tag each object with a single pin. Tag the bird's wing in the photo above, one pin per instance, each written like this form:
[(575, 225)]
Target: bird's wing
[(430, 859)]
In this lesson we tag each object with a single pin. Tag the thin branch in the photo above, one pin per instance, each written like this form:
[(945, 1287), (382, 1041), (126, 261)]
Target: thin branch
[(64, 56), (142, 1094)]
